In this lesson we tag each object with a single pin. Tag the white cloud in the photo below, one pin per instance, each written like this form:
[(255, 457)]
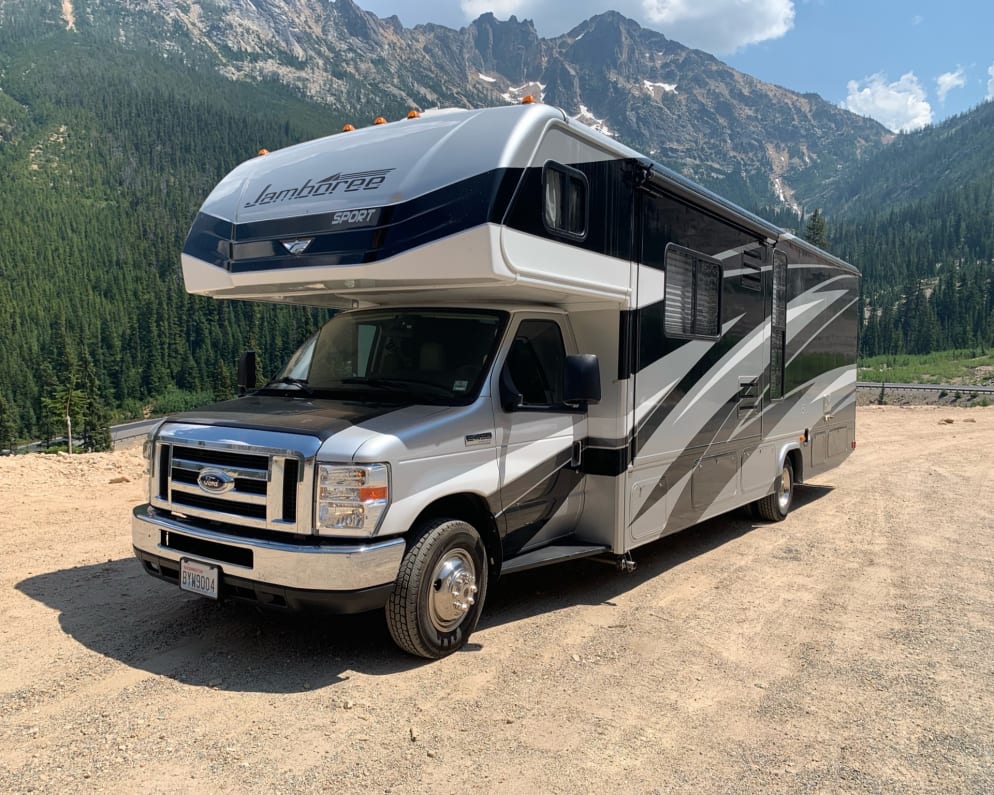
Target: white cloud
[(899, 106), (720, 26), (990, 83), (947, 81)]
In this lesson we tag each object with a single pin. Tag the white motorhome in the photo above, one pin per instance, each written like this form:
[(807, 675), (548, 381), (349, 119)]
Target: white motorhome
[(551, 347)]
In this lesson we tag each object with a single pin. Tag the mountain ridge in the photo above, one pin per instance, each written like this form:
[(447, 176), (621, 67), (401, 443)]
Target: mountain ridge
[(757, 142), (107, 151)]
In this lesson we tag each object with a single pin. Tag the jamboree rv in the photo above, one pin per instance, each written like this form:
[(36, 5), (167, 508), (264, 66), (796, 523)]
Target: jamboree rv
[(550, 347)]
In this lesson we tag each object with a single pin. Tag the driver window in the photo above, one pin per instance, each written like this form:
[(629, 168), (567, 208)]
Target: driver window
[(535, 363)]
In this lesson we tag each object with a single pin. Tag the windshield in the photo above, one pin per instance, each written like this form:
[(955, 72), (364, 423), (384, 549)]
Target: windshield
[(419, 355)]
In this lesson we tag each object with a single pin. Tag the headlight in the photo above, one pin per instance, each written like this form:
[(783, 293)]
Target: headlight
[(351, 499), (148, 453)]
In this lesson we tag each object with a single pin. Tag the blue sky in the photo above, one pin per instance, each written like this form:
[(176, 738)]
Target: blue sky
[(905, 64)]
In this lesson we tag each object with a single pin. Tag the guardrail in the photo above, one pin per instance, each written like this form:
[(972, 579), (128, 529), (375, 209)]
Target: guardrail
[(888, 386), (131, 430), (118, 433)]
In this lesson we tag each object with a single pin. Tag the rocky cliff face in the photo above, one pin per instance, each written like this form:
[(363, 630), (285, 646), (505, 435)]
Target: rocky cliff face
[(754, 141)]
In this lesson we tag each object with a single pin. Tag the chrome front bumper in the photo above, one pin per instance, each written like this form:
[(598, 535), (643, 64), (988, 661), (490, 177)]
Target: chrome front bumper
[(328, 567)]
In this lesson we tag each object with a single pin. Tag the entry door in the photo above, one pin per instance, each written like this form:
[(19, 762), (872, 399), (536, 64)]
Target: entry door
[(778, 326), (540, 439)]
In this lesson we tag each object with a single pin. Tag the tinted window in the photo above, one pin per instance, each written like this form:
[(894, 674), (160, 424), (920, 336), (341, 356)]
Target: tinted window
[(692, 295), (535, 362), (564, 200), (404, 354)]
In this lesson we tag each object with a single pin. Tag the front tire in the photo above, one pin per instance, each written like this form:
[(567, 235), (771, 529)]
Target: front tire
[(437, 599), (775, 507)]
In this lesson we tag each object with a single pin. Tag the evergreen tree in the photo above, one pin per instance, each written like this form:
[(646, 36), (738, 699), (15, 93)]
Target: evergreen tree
[(107, 155), (815, 230), (95, 430), (223, 383), (63, 411), (8, 425)]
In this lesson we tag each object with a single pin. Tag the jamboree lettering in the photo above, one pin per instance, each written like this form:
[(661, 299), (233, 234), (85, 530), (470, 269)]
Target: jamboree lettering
[(346, 183)]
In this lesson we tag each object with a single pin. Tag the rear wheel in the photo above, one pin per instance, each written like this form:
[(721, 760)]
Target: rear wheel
[(775, 507), (438, 596)]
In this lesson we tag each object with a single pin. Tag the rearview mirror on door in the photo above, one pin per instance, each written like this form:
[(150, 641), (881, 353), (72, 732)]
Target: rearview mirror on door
[(582, 379)]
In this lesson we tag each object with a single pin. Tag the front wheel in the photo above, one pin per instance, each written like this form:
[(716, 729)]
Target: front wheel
[(774, 507), (436, 601)]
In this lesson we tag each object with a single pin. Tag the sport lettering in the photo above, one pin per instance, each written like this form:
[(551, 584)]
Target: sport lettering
[(352, 217)]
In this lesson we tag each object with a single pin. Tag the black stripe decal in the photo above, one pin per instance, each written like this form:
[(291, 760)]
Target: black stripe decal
[(835, 312), (657, 415), (520, 486), (607, 461), (626, 343), (256, 245), (535, 497), (509, 196), (686, 461)]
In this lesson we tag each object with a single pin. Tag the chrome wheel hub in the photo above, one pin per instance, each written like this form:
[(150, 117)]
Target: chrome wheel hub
[(783, 496), (453, 590)]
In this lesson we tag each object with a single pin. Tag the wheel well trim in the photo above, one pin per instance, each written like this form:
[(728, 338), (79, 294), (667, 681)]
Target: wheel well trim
[(792, 450), (474, 509)]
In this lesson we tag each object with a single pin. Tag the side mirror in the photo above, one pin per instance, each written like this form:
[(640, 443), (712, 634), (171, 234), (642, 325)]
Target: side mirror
[(582, 379), (246, 372)]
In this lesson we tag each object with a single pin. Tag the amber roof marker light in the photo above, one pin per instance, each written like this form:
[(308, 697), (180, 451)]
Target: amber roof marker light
[(379, 120), (528, 99), (263, 152), (348, 128), (413, 114)]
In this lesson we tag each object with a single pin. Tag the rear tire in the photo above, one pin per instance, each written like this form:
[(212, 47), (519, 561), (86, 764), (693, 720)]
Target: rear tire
[(437, 599), (775, 507)]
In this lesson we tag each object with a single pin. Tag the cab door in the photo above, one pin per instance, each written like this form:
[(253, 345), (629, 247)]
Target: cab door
[(540, 438)]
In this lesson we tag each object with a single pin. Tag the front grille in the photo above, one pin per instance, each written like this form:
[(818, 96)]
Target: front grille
[(183, 499), (250, 489), (226, 553), (291, 473)]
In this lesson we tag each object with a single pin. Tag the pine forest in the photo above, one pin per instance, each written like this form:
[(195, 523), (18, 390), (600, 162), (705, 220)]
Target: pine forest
[(106, 154), (105, 157)]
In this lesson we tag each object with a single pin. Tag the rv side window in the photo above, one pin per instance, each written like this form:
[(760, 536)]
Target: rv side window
[(692, 295), (564, 200), (535, 363)]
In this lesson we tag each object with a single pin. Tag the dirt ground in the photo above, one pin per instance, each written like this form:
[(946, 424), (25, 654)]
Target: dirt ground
[(847, 649)]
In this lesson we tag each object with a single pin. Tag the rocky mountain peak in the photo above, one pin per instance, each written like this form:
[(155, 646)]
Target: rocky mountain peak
[(757, 142), (511, 48), (357, 22), (613, 43)]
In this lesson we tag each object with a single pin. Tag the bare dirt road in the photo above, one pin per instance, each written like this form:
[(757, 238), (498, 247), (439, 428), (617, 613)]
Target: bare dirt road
[(847, 649)]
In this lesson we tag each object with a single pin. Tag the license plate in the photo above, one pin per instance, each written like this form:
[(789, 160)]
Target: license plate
[(199, 578)]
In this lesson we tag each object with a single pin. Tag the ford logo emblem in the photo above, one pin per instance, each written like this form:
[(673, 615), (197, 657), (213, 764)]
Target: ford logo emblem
[(214, 481)]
